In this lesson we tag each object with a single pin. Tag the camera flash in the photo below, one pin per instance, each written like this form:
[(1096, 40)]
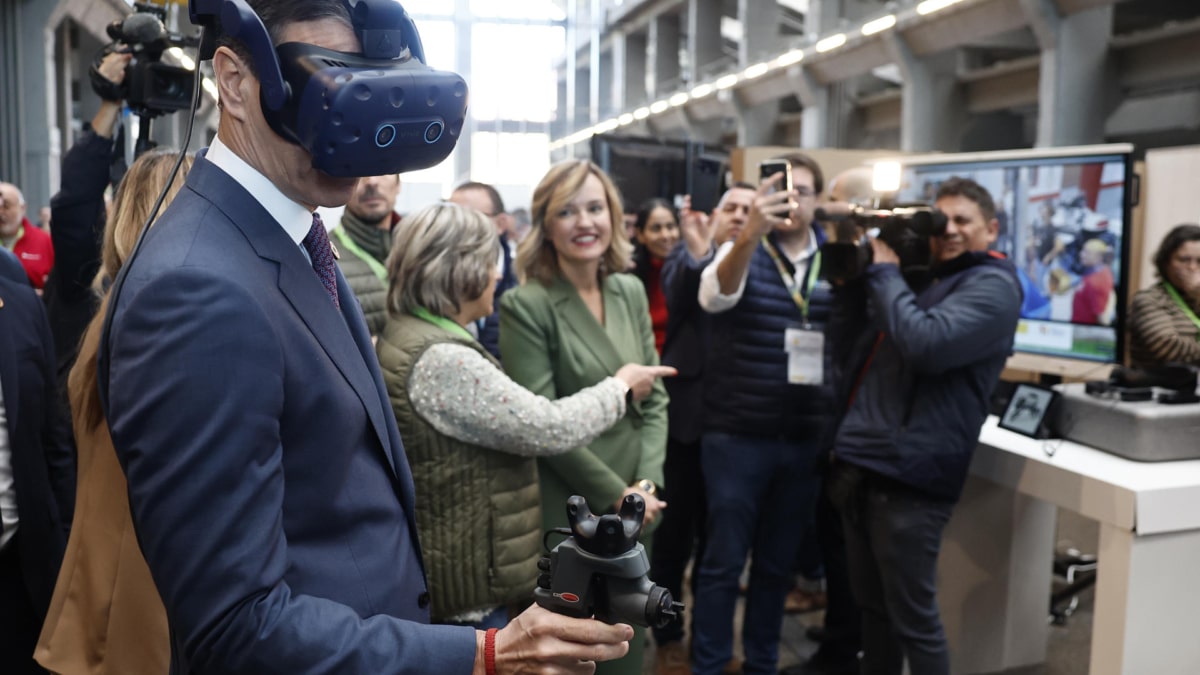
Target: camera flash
[(886, 177)]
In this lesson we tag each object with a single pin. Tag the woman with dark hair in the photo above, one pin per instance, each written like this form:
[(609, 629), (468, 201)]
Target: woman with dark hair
[(1163, 323), (656, 233)]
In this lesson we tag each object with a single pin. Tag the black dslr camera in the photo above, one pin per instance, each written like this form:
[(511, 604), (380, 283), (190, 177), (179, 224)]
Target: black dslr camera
[(905, 228), (600, 570), (151, 87)]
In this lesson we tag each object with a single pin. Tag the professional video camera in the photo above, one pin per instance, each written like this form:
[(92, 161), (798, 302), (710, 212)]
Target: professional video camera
[(906, 228), (600, 570), (151, 87)]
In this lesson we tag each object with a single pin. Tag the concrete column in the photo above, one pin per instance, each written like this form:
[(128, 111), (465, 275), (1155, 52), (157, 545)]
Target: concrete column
[(662, 52), (1077, 89), (583, 103), (760, 30), (818, 125), (607, 102), (634, 80), (595, 66), (757, 125), (933, 113), (704, 36), (830, 16)]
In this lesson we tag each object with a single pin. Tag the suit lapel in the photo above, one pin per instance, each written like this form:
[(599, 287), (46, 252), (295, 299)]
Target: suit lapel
[(579, 321), (302, 288)]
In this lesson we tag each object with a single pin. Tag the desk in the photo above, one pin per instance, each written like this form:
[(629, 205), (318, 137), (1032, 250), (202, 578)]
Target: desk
[(995, 571)]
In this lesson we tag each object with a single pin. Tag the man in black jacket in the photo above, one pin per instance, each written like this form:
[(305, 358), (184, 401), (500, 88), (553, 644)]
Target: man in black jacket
[(914, 392), (37, 471)]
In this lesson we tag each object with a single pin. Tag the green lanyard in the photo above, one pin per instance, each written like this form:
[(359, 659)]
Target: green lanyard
[(1187, 311), (349, 243), (799, 293), (443, 323)]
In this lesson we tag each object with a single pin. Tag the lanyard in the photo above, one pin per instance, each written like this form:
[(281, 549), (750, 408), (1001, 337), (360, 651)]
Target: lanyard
[(443, 323), (798, 291), (1182, 305), (349, 243)]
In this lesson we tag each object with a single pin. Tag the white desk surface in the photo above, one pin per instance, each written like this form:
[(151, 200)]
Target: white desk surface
[(1147, 497)]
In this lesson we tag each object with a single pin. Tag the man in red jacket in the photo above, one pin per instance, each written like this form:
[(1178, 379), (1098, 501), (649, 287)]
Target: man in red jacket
[(31, 244)]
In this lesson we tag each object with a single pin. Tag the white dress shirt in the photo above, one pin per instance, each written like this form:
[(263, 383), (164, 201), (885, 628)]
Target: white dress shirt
[(715, 302), (295, 219), (8, 492)]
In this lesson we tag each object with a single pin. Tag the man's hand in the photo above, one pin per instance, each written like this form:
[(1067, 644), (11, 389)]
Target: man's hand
[(697, 229), (770, 209), (542, 642), (882, 254), (112, 67), (654, 505)]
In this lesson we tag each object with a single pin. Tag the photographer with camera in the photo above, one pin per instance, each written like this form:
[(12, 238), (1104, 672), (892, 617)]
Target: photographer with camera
[(78, 212), (767, 408), (914, 367)]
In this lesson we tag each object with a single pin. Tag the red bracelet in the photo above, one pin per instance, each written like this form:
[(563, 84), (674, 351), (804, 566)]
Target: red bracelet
[(489, 651)]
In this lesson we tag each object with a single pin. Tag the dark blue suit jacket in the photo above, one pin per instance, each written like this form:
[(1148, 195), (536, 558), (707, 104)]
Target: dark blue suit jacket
[(489, 333), (269, 488), (686, 344), (43, 462)]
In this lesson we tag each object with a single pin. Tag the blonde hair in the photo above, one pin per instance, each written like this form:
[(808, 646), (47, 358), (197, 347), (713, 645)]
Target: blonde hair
[(536, 257), (442, 256), (135, 197)]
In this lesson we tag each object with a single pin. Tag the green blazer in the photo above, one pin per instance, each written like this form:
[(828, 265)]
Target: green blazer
[(552, 345)]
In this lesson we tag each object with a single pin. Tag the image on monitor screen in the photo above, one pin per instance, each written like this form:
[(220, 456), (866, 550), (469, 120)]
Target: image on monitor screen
[(1062, 221)]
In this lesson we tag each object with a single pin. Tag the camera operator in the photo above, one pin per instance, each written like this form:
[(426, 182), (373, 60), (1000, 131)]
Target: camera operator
[(78, 212), (915, 367)]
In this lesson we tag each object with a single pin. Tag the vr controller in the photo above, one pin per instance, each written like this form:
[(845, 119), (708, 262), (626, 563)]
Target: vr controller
[(600, 569), (380, 112)]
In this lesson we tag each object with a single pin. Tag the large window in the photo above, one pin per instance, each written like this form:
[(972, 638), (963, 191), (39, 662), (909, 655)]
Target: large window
[(509, 68)]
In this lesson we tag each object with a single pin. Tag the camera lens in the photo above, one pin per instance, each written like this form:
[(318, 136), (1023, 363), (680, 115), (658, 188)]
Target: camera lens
[(385, 135), (433, 132)]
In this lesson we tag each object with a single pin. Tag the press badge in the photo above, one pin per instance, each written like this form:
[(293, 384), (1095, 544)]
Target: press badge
[(806, 356)]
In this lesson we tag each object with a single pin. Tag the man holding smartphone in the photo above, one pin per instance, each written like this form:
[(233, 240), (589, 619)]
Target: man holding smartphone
[(766, 410)]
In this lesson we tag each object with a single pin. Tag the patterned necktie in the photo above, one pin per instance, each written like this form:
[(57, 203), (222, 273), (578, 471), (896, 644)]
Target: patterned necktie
[(317, 245)]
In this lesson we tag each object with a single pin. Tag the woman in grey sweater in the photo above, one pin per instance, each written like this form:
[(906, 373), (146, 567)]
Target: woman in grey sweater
[(471, 434)]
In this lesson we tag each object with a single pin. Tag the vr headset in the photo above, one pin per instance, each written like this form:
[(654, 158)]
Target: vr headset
[(381, 112)]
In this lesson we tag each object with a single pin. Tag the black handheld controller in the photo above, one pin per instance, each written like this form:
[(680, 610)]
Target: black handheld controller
[(601, 570)]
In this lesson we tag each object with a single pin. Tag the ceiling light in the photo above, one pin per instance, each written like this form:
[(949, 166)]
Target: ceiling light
[(878, 25), (702, 91), (931, 6), (678, 100), (726, 82), (658, 106), (755, 70), (641, 113), (794, 56), (831, 42)]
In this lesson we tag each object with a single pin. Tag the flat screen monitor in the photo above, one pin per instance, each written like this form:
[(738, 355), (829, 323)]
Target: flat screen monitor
[(643, 168), (1064, 221)]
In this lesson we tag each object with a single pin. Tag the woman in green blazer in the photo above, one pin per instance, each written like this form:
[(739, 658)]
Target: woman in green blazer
[(573, 321)]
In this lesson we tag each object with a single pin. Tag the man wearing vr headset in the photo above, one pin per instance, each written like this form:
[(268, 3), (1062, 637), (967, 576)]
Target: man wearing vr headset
[(268, 483)]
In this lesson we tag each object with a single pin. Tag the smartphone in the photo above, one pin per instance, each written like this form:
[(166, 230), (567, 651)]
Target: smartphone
[(708, 177), (771, 167)]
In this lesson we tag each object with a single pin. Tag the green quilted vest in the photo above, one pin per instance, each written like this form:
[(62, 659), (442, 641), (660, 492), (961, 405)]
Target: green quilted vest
[(478, 510)]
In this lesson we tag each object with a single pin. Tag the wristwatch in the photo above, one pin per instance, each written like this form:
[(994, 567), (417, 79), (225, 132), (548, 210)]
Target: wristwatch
[(646, 485)]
